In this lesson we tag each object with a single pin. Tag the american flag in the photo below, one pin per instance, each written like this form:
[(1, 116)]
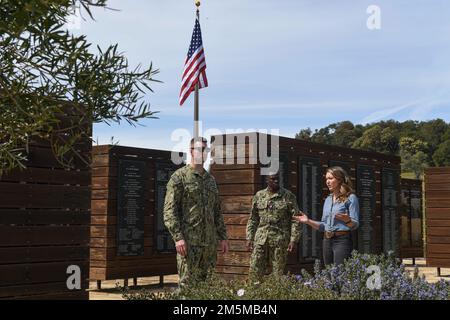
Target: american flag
[(195, 65)]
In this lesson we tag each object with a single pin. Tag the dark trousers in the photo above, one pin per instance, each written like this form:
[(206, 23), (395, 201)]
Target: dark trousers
[(337, 249)]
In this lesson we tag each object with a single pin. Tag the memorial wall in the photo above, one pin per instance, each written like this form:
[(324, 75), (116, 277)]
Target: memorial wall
[(164, 242), (366, 191), (130, 207), (375, 176), (411, 215), (390, 217), (310, 201), (128, 237)]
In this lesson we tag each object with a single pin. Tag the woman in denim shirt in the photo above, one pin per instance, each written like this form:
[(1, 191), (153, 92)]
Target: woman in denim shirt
[(340, 217)]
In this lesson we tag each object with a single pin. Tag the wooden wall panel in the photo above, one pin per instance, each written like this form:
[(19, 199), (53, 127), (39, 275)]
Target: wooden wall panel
[(44, 225), (437, 216)]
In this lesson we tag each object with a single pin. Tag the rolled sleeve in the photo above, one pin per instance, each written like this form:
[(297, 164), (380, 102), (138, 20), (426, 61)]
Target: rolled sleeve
[(321, 227), (353, 209), (324, 216)]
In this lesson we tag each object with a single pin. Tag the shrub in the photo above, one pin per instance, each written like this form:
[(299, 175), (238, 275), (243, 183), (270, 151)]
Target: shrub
[(352, 280)]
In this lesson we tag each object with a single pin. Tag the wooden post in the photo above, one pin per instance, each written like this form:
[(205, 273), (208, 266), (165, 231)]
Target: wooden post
[(135, 281), (439, 272), (414, 261), (125, 282), (99, 285), (161, 280)]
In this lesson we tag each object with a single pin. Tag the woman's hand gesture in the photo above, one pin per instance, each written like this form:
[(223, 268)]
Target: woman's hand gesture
[(301, 217)]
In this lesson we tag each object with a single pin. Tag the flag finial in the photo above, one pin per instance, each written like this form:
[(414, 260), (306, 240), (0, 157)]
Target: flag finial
[(197, 3)]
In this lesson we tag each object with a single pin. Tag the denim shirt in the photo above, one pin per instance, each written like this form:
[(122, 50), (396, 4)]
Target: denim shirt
[(330, 209)]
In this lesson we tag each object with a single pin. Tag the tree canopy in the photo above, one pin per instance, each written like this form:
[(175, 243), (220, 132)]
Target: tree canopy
[(53, 83), (420, 144)]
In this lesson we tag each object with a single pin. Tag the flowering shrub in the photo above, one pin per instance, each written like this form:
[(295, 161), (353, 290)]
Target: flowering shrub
[(361, 277), (352, 280)]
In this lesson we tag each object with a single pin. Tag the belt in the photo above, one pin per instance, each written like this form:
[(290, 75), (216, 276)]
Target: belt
[(332, 234)]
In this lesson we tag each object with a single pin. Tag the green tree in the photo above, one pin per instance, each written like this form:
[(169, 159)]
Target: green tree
[(433, 131), (370, 139), (304, 134), (441, 157), (410, 128), (411, 145), (420, 144), (344, 133), (415, 163), (340, 134), (322, 135), (44, 69), (447, 134), (413, 155), (389, 140)]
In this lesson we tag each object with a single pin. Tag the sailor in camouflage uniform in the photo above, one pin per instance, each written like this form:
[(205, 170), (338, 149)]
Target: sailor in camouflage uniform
[(271, 232), (193, 216)]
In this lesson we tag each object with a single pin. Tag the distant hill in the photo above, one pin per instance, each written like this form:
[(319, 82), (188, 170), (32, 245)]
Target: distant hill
[(421, 144)]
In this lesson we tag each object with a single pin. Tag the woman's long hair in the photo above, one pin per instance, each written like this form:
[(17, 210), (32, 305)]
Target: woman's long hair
[(342, 176)]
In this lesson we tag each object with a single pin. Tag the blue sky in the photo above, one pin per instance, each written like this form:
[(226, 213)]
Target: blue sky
[(283, 65)]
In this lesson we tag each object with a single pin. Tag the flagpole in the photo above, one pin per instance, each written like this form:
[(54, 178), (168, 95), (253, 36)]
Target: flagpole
[(196, 133), (196, 96)]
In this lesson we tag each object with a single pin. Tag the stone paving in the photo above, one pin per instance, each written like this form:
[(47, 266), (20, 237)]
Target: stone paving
[(430, 273), (110, 291)]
